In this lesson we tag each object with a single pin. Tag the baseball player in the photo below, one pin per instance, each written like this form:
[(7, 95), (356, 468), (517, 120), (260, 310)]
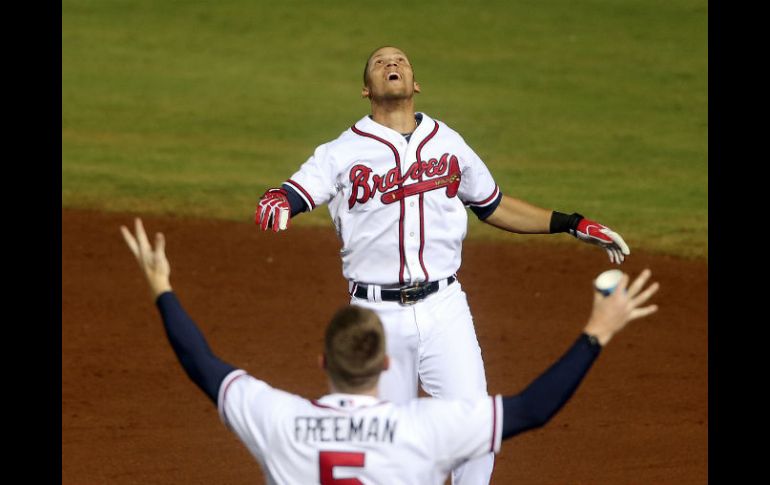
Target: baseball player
[(397, 184), (351, 436)]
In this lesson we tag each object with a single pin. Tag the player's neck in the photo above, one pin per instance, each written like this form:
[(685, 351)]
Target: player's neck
[(397, 115), (374, 391)]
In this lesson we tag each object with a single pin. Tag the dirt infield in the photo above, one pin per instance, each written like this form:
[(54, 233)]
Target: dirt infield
[(131, 416)]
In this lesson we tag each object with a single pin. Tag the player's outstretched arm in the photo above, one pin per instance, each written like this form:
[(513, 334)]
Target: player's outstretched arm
[(546, 395), (515, 215), (189, 344)]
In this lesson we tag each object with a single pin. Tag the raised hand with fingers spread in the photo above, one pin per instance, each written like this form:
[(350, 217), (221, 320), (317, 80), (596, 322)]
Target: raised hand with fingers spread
[(152, 261), (612, 313)]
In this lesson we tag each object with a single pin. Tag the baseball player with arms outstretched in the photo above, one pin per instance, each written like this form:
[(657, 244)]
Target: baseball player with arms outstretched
[(397, 184), (351, 436)]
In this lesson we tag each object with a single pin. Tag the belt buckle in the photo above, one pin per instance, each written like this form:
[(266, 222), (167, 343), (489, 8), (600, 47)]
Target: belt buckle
[(412, 294)]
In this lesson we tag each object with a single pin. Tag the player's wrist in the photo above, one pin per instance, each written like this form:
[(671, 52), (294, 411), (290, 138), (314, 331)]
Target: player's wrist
[(159, 287), (594, 340), (561, 222), (159, 293), (598, 332)]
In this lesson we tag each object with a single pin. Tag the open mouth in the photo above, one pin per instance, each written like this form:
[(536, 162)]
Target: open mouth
[(393, 76)]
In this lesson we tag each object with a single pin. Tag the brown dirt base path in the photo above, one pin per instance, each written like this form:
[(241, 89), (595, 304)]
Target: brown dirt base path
[(131, 416)]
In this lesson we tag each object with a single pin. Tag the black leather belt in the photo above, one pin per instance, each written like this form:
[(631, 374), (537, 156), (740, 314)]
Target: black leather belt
[(407, 295)]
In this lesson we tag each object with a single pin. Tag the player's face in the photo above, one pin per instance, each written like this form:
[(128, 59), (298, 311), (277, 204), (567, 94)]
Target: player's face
[(390, 76)]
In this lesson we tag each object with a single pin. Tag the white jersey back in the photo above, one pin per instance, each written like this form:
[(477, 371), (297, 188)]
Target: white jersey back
[(360, 438), (400, 221)]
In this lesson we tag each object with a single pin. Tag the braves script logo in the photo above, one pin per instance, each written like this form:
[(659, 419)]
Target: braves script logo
[(360, 175)]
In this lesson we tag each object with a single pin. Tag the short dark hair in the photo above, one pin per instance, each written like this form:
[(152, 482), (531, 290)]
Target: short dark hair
[(355, 348)]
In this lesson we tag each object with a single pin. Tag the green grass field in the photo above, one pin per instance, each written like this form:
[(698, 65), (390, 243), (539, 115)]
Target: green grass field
[(194, 108)]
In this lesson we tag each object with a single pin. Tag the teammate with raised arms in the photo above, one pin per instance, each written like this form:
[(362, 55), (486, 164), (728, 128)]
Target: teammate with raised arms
[(351, 436)]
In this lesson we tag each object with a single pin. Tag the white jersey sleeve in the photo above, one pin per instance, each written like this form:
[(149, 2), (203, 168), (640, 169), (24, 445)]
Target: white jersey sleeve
[(477, 186), (316, 179), (247, 406), (462, 429)]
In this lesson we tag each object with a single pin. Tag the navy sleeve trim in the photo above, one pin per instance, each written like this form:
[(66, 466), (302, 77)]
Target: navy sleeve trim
[(302, 192), (486, 211), (542, 399), (204, 368), (296, 202)]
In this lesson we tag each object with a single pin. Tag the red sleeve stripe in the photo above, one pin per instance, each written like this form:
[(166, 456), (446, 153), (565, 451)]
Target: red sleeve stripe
[(303, 193), (223, 392), (494, 424), (488, 200)]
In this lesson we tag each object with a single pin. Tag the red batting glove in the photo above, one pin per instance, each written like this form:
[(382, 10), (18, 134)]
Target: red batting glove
[(595, 233), (269, 209)]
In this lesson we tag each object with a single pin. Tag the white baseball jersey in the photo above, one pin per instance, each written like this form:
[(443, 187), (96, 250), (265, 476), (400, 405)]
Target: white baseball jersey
[(400, 221), (359, 438)]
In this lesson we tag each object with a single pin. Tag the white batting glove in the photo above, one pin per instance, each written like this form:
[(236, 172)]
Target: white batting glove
[(595, 233)]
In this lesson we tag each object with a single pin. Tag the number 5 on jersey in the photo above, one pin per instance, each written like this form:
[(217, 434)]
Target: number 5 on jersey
[(327, 460)]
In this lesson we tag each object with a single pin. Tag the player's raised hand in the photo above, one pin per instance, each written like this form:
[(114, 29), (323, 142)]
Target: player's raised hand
[(612, 313), (273, 210), (595, 233), (152, 261)]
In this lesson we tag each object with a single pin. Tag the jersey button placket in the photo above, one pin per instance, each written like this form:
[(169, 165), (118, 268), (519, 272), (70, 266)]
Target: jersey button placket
[(411, 217), (411, 212), (412, 230)]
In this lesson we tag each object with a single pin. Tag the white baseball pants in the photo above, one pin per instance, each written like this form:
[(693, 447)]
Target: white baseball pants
[(433, 343)]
